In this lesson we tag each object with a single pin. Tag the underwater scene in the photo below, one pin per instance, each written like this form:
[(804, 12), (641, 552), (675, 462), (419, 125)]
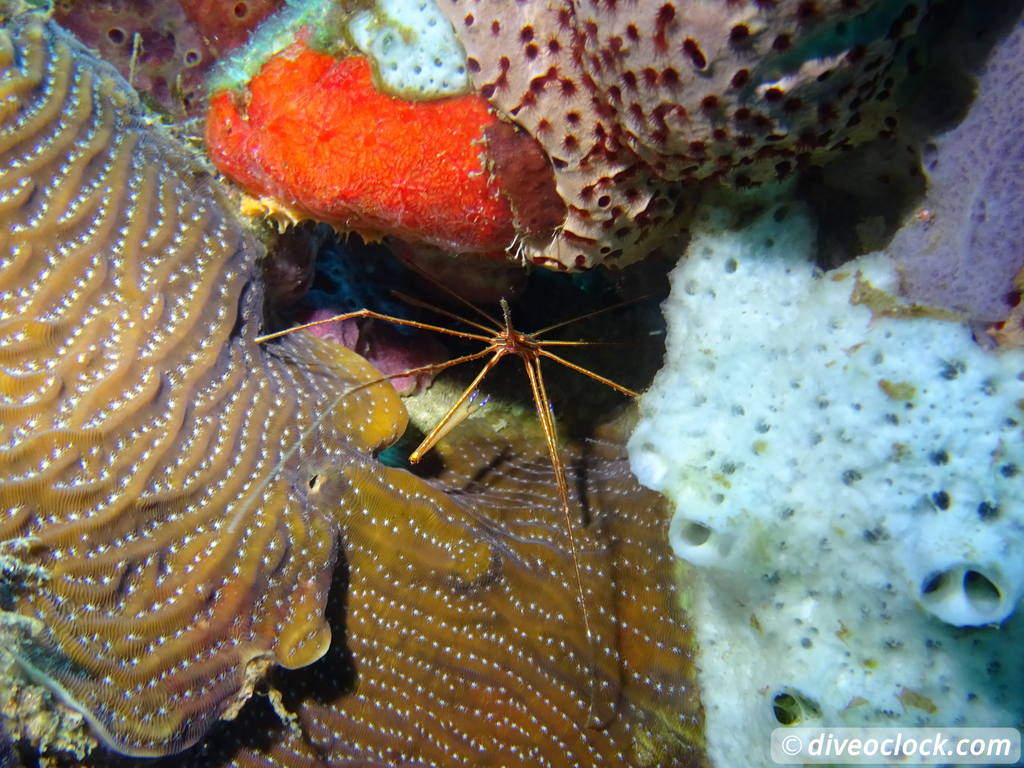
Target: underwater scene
[(511, 383)]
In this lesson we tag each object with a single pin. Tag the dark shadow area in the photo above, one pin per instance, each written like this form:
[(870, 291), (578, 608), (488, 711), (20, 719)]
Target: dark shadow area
[(624, 344)]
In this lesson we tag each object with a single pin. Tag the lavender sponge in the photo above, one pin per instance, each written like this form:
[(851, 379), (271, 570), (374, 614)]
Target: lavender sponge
[(966, 245)]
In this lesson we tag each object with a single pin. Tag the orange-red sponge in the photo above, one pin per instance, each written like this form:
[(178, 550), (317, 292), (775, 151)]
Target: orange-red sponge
[(317, 136)]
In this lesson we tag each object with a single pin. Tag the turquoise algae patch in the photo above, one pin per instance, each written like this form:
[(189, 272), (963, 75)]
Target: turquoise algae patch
[(412, 46), (322, 19)]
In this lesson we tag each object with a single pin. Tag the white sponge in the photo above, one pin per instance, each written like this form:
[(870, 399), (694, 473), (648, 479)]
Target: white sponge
[(413, 48), (782, 401), (849, 486)]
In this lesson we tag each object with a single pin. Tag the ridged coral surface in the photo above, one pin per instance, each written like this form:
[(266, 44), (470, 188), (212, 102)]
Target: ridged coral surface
[(151, 454), (635, 101), (498, 671), (173, 495)]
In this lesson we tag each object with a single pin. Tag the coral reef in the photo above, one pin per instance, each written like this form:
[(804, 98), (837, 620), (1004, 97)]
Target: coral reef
[(413, 49), (634, 101), (483, 281), (966, 247), (226, 25), (153, 44), (316, 135), (314, 276), (1010, 332), (849, 510), (31, 714), (164, 48), (382, 345), (290, 264), (179, 495)]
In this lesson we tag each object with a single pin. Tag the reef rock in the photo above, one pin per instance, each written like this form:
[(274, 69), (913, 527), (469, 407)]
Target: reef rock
[(848, 476)]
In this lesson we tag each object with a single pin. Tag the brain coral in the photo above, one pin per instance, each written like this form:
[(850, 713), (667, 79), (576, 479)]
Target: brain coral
[(633, 101), (151, 454), (173, 495)]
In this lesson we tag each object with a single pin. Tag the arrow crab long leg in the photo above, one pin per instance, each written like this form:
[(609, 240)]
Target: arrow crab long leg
[(501, 340)]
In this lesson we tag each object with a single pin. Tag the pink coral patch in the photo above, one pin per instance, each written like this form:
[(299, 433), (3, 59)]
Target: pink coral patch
[(388, 350)]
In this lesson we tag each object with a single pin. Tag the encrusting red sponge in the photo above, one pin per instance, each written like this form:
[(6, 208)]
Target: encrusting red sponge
[(315, 134)]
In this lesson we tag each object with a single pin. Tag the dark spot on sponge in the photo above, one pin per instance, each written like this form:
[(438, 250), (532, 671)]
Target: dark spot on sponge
[(987, 510)]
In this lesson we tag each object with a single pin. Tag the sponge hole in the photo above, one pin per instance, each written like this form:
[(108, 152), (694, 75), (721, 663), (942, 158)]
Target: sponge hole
[(981, 592), (699, 543), (694, 534), (935, 583), (792, 708), (965, 595)]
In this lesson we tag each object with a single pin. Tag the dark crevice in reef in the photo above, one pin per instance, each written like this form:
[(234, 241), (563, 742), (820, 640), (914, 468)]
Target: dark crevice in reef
[(347, 275)]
